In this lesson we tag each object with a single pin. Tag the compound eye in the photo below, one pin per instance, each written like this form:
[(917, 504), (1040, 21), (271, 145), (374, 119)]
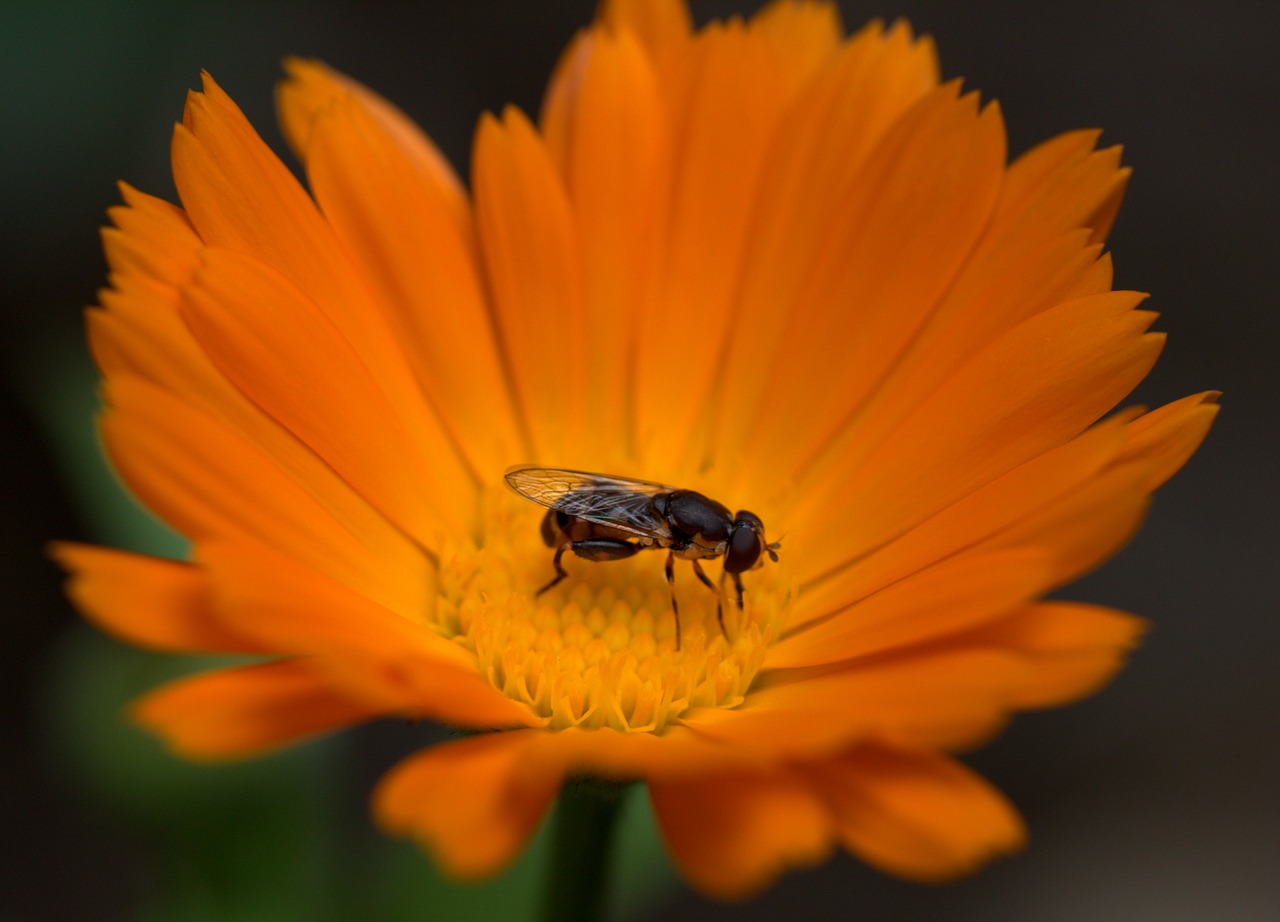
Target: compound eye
[(749, 518), (744, 549)]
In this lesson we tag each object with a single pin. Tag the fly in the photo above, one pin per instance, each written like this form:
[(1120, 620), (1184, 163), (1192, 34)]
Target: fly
[(600, 517)]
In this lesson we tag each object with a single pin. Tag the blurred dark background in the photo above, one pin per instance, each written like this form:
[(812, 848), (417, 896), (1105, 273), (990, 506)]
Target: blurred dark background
[(1156, 800)]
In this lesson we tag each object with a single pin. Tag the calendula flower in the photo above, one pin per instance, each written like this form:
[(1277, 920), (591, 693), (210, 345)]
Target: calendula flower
[(784, 267)]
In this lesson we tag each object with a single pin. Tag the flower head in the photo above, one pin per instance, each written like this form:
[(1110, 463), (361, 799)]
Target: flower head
[(762, 260)]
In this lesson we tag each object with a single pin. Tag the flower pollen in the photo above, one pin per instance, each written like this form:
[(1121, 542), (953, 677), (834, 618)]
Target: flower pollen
[(599, 650)]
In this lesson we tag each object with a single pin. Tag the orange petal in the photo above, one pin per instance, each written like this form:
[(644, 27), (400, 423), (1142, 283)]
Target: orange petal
[(1037, 251), (677, 755), (283, 354), (152, 249), (609, 136), (142, 339), (663, 26), (1160, 442), (208, 482), (805, 35), (901, 233), (304, 98), (1089, 524), (140, 333), (560, 102), (1073, 649), (943, 697), (150, 239), (472, 804), (915, 814), (1037, 386), (1078, 502), (1005, 281), (378, 655), (732, 835), (1082, 529), (240, 197), (723, 126), (531, 255), (1065, 183), (812, 164), (161, 604), (237, 713), (948, 597), (399, 220), (1044, 481)]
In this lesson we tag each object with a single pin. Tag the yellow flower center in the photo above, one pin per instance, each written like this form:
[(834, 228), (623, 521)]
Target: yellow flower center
[(599, 649)]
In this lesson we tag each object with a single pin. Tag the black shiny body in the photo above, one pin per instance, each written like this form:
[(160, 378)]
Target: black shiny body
[(600, 517)]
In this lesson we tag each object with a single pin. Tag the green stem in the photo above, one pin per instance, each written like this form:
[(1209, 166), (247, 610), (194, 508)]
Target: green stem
[(583, 826)]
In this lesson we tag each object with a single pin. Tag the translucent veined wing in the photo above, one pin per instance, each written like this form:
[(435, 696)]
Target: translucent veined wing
[(617, 501)]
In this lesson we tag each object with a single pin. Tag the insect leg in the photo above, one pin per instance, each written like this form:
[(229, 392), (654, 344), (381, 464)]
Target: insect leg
[(590, 549), (561, 573), (671, 583), (737, 584), (697, 568)]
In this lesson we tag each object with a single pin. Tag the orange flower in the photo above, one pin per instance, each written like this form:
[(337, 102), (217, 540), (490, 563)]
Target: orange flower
[(762, 260)]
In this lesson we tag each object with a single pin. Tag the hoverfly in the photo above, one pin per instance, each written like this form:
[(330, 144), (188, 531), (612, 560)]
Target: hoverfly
[(599, 517)]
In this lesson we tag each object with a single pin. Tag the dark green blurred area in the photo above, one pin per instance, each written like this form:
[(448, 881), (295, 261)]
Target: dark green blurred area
[(1156, 800)]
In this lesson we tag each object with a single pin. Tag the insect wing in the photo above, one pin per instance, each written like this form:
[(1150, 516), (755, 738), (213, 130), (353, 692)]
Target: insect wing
[(546, 486), (617, 501)]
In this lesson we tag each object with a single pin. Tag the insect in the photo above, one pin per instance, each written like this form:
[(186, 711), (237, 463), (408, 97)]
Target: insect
[(599, 517)]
